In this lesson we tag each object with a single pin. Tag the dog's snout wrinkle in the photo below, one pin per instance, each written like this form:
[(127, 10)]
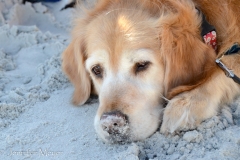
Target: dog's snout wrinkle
[(114, 114)]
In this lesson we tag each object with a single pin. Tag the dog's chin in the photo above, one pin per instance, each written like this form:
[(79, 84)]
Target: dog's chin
[(118, 138)]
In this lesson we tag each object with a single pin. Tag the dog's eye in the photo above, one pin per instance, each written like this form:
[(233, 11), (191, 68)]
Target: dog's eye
[(97, 70), (141, 66)]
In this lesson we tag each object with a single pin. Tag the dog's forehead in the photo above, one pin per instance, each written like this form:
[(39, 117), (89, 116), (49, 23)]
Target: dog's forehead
[(143, 54), (118, 31)]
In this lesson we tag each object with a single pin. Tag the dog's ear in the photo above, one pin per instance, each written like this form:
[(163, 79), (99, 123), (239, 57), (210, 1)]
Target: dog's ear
[(189, 65), (74, 56), (74, 67), (188, 61)]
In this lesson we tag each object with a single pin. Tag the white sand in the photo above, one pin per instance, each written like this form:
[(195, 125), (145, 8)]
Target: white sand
[(37, 120)]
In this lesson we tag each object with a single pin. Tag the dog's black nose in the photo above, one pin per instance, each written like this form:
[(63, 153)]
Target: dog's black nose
[(114, 122)]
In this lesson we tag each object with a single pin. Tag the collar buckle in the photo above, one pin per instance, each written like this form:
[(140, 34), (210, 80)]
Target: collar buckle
[(234, 49), (228, 72)]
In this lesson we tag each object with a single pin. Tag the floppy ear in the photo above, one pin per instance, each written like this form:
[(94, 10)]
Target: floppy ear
[(73, 66), (188, 61), (192, 67), (74, 56)]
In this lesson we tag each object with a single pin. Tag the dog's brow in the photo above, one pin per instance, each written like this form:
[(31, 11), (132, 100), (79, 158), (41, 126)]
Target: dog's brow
[(142, 55), (98, 56)]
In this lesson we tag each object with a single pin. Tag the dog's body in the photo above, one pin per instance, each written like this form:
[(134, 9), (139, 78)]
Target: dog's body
[(135, 53)]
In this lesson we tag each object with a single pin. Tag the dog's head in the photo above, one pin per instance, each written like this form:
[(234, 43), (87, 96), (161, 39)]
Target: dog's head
[(132, 54)]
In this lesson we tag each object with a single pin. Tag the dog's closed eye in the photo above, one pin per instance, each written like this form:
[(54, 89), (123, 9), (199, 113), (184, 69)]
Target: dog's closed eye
[(142, 66)]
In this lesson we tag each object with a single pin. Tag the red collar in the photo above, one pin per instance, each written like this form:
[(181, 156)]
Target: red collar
[(211, 39)]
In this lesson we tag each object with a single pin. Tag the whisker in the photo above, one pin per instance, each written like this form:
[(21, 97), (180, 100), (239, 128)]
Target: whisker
[(118, 10), (163, 97)]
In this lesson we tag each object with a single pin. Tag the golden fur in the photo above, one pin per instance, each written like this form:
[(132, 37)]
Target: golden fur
[(118, 34)]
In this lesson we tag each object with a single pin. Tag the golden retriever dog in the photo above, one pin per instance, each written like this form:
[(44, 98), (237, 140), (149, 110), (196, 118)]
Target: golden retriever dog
[(149, 65)]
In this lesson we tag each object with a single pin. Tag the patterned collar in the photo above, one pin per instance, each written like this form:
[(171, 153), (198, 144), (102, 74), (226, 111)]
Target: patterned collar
[(208, 32)]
